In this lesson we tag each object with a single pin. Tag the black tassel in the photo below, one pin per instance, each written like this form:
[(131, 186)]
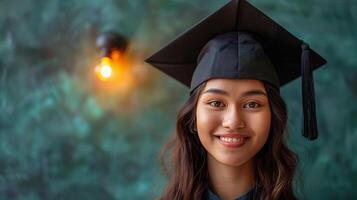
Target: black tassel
[(308, 95)]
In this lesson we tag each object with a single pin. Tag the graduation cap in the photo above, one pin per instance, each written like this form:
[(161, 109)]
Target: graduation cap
[(239, 41)]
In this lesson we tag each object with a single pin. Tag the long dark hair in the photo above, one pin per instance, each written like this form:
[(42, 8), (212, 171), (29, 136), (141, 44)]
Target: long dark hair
[(186, 167)]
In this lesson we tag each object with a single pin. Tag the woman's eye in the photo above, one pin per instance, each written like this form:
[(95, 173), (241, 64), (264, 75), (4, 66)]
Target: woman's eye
[(216, 104), (251, 105)]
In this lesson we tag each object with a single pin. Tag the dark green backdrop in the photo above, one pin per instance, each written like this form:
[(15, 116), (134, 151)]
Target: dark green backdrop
[(63, 136)]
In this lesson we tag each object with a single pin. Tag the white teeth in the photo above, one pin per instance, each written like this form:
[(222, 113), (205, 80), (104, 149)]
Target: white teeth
[(231, 140)]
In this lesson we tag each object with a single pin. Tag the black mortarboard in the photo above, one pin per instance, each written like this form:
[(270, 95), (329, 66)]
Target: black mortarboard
[(239, 41)]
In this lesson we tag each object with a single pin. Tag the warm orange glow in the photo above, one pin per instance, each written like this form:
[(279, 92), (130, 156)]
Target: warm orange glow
[(113, 76)]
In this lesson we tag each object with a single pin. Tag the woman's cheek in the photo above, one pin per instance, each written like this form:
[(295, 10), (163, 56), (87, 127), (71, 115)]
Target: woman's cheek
[(206, 120), (202, 118), (260, 122)]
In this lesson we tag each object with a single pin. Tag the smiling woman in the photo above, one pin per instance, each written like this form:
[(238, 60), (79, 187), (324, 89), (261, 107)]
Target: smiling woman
[(233, 133), (235, 148), (230, 140), (240, 123)]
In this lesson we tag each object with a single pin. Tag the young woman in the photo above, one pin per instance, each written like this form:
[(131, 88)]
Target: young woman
[(230, 140)]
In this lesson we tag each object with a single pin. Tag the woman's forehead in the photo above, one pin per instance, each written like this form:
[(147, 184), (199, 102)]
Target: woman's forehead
[(234, 84)]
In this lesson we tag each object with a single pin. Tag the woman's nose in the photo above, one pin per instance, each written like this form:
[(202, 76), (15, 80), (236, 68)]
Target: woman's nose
[(233, 119)]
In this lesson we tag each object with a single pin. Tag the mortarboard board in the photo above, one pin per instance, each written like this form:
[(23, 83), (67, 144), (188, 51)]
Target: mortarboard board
[(239, 41)]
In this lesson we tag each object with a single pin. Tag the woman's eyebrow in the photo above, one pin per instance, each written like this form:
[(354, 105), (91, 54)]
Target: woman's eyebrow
[(216, 91), (244, 94), (254, 93)]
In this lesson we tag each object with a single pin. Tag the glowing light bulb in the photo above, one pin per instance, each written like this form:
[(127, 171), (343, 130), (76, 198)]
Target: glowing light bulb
[(104, 69)]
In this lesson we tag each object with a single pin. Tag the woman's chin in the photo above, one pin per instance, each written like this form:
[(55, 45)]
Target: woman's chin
[(232, 161)]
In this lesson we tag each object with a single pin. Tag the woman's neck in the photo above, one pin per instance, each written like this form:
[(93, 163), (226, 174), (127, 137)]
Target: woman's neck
[(229, 182)]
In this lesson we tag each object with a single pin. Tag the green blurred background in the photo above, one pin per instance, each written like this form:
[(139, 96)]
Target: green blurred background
[(64, 135)]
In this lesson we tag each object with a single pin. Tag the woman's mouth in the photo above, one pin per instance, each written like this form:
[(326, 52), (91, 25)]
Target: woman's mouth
[(232, 141)]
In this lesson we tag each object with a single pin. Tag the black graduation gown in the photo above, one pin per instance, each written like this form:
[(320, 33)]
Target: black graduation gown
[(210, 195)]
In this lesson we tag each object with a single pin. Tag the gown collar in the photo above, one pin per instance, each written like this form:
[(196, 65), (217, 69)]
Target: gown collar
[(247, 196)]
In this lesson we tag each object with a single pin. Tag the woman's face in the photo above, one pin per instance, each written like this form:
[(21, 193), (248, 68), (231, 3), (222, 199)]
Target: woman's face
[(233, 119)]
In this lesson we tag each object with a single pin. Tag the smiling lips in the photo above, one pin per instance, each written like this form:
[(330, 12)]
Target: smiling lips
[(232, 140)]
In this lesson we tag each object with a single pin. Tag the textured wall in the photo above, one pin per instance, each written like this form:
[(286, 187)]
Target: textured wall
[(64, 135)]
